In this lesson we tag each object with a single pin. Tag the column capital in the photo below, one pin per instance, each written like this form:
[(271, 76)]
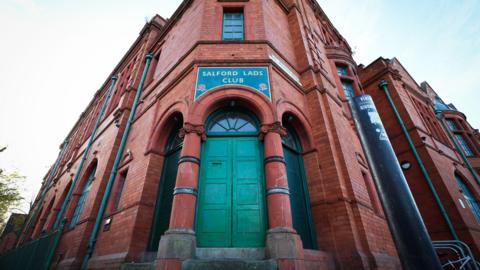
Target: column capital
[(193, 128), (275, 127)]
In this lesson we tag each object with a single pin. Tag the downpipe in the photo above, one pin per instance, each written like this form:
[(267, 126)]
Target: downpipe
[(84, 157), (93, 237), (59, 223)]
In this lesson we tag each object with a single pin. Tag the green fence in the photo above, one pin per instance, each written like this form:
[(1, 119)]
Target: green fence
[(32, 255)]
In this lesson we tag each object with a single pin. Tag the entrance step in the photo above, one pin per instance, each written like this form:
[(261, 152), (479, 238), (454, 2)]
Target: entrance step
[(229, 264), (230, 253), (138, 266)]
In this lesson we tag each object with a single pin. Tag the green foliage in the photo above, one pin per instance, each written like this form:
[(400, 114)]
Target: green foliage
[(9, 191)]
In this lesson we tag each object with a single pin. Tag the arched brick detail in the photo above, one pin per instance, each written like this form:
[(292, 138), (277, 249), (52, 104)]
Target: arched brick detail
[(300, 123), (215, 99), (163, 126)]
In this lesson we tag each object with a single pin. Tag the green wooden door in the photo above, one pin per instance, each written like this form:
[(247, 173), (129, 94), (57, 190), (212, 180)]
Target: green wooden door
[(231, 203), (299, 197), (163, 204)]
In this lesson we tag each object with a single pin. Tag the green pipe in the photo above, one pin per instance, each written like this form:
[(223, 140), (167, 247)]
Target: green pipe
[(26, 226), (441, 118), (84, 157), (384, 86), (108, 188), (59, 223)]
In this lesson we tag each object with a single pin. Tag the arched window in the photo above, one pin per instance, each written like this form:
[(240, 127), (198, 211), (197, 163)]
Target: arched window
[(231, 122), (468, 195), (83, 197)]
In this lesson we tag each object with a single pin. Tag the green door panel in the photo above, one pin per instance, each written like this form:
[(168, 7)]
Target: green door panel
[(163, 205), (215, 206), (301, 217), (231, 207)]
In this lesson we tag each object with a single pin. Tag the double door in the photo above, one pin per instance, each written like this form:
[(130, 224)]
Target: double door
[(231, 199)]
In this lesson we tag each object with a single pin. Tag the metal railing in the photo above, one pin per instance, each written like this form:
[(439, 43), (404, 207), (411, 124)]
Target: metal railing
[(456, 255), (32, 255)]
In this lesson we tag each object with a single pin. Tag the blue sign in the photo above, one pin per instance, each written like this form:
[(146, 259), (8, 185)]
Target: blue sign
[(209, 78)]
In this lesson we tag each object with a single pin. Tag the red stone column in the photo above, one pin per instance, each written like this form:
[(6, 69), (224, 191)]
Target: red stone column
[(278, 198), (179, 242), (283, 243)]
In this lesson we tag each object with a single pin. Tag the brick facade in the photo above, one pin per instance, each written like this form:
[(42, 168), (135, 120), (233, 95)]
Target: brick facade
[(302, 50)]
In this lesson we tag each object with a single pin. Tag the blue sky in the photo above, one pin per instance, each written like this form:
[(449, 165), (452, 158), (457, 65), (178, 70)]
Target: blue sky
[(55, 54)]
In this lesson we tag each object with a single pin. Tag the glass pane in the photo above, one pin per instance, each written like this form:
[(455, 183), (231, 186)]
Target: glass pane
[(342, 70), (291, 140), (233, 26), (82, 199), (348, 89), (468, 195), (463, 144), (232, 122), (451, 124)]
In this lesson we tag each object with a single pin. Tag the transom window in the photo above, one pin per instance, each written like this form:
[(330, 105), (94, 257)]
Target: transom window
[(342, 70), (232, 122), (174, 141), (291, 139), (232, 25)]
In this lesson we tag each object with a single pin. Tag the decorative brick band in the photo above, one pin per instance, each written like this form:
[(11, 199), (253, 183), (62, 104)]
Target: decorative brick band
[(274, 159), (185, 190), (191, 159), (278, 190)]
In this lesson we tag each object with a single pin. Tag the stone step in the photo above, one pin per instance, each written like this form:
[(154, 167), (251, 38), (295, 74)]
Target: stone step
[(138, 266), (229, 265), (256, 254)]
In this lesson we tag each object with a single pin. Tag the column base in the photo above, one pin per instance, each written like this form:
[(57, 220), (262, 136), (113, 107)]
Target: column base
[(177, 244), (284, 243)]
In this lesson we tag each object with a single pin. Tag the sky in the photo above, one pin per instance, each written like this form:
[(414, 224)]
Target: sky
[(55, 54)]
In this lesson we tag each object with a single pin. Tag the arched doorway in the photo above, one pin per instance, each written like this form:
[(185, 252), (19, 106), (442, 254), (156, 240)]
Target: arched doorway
[(231, 200), (163, 204), (297, 184)]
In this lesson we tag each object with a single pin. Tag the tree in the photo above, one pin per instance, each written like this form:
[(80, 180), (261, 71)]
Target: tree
[(9, 191)]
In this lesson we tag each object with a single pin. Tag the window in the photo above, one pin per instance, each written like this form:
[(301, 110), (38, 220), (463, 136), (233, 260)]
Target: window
[(82, 198), (468, 195), (347, 84), (121, 184), (451, 124), (232, 122), (463, 144), (342, 70), (232, 25), (348, 89)]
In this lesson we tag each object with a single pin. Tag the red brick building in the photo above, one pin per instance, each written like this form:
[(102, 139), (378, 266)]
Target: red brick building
[(241, 146), (440, 146)]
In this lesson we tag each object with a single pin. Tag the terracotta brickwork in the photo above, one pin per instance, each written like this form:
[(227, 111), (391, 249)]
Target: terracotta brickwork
[(301, 49), (415, 104)]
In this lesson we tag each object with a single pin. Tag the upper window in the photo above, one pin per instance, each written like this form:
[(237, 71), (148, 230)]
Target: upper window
[(468, 195), (342, 70), (233, 25), (232, 122), (451, 124), (83, 198), (464, 145), (348, 89)]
